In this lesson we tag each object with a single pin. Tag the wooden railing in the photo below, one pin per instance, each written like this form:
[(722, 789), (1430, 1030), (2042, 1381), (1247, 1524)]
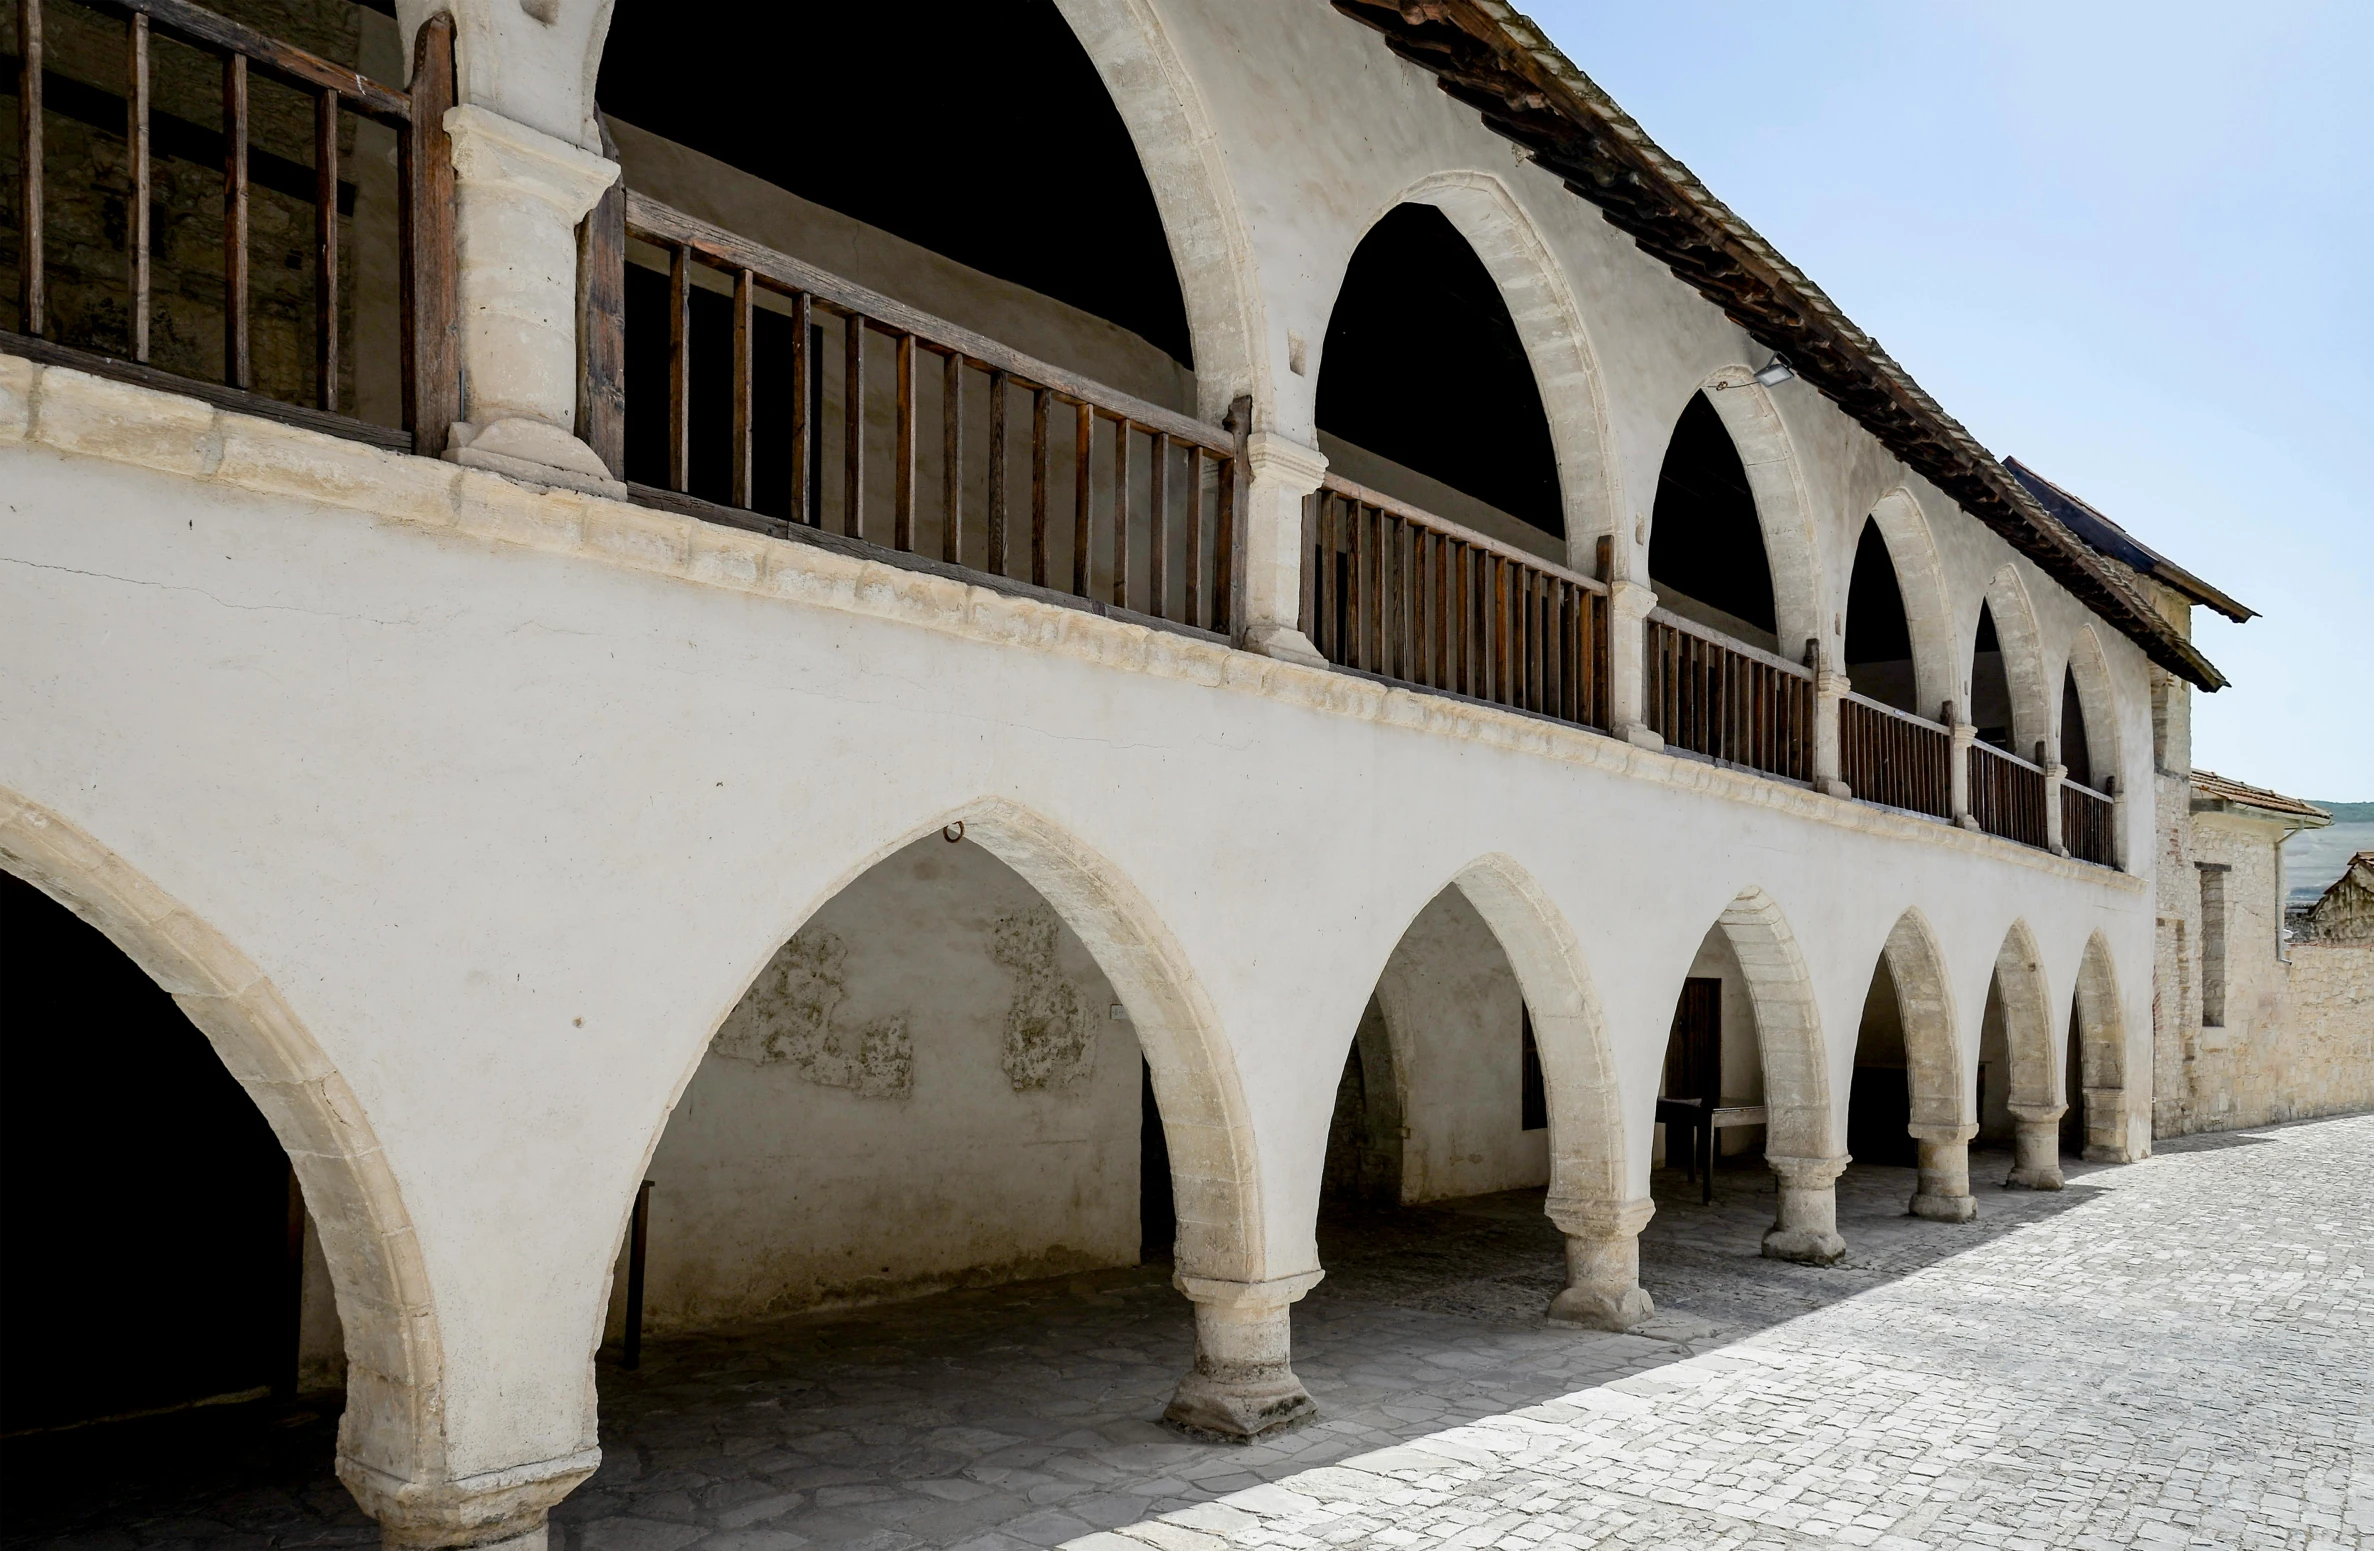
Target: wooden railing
[(1727, 700), (1151, 520), (431, 386), (2087, 830), (2006, 794), (1893, 757), (1398, 592)]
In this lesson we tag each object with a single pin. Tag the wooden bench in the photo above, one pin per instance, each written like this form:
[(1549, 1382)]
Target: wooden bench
[(1702, 1122)]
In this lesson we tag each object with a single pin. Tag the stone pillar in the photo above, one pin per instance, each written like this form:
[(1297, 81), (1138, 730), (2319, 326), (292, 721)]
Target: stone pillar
[(1829, 688), (1807, 1228), (1628, 605), (501, 1510), (518, 195), (1603, 1290), (1959, 775), (2036, 1147), (1243, 1385), (2117, 793), (1943, 1194), (2054, 841), (2106, 1126), (1279, 474)]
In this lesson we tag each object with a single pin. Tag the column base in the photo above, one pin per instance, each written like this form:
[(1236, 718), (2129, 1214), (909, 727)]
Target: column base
[(1944, 1208), (2024, 1178), (1603, 1290), (534, 451), (1587, 1308), (1804, 1246), (1283, 642), (1242, 1386), (1942, 1190), (1837, 789), (1806, 1228), (1641, 736), (2036, 1149)]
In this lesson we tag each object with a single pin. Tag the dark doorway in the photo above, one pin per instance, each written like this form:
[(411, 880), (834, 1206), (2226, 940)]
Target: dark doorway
[(1990, 685), (1158, 1215), (2076, 754), (1423, 366), (1879, 1105), (2073, 1130), (153, 1233), (1706, 551), (1878, 636)]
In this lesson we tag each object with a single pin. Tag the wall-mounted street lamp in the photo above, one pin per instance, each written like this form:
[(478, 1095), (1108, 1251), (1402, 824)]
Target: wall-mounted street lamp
[(1771, 374)]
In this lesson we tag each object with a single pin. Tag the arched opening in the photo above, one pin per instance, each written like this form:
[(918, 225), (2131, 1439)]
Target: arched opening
[(2076, 750), (916, 199), (1908, 1087), (2020, 1080), (1879, 652), (199, 1296), (2095, 1065), (1707, 558), (1447, 416), (1990, 684)]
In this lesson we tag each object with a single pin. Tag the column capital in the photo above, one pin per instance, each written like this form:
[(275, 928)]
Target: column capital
[(489, 149), (495, 1508), (2038, 1114), (1964, 735), (1808, 1173), (1946, 1135), (1275, 1293), (1833, 684), (1293, 466), (1631, 600), (1596, 1217)]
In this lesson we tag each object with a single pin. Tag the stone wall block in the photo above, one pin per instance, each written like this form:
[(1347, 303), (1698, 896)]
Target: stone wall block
[(78, 413), (491, 507), (20, 380), (636, 536), (726, 557), (802, 573), (286, 460)]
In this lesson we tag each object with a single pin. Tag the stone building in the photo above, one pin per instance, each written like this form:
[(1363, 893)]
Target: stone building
[(957, 679)]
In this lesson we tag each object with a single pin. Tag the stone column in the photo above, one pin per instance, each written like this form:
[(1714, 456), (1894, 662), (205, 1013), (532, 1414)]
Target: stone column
[(1807, 1228), (2118, 825), (1279, 474), (518, 195), (1829, 688), (1243, 1385), (501, 1510), (1628, 605), (1959, 775), (2036, 1147), (1603, 1290), (1943, 1194), (2054, 774)]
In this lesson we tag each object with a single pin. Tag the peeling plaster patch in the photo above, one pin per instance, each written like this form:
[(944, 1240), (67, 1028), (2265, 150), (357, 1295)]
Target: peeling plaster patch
[(1049, 1042), (787, 1017)]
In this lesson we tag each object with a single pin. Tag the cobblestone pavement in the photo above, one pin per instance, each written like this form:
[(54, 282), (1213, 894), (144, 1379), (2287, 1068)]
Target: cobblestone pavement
[(2168, 1354)]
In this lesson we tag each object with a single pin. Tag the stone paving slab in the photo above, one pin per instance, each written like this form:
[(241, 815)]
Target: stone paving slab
[(2170, 1354)]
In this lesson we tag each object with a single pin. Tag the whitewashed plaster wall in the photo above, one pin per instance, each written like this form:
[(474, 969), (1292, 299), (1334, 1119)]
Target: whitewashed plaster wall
[(924, 1088)]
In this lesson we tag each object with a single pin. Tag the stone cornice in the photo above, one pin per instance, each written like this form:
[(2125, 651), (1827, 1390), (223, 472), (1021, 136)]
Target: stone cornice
[(79, 415)]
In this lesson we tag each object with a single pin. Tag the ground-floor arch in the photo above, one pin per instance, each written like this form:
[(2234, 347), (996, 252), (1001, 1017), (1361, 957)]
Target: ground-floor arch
[(1910, 1101), (2020, 1007), (2096, 1064)]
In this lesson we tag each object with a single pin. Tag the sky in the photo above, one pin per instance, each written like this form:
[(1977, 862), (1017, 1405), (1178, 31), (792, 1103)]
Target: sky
[(2128, 244)]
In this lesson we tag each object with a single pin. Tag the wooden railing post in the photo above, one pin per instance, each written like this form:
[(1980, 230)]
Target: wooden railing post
[(1829, 693), (1965, 735), (432, 312), (601, 323)]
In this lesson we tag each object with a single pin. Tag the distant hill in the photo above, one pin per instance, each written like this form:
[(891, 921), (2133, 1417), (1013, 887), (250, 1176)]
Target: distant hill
[(2314, 858), (2348, 812)]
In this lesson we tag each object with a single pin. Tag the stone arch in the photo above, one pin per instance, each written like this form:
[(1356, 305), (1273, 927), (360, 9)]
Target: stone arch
[(2035, 1076), (2102, 1054), (1211, 246), (2097, 703), (391, 1448), (1928, 606), (1784, 508), (1924, 996), (1550, 323), (1587, 1152), (2022, 643), (1788, 1028), (1214, 1172)]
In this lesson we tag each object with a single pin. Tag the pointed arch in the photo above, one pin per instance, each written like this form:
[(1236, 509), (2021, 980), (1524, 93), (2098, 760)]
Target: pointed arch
[(2022, 645), (2035, 1077), (1788, 1027), (391, 1443), (1211, 247), (1587, 1151), (1550, 323), (1214, 1174), (1928, 607), (2097, 704), (1784, 509), (2102, 1054), (1924, 998)]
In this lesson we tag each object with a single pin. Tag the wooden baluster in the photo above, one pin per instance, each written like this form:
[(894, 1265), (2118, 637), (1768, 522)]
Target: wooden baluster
[(1158, 532), (601, 324), (680, 368), (32, 265), (745, 494), (952, 458), (1405, 556), (1083, 497), (902, 458), (853, 428), (1326, 640), (325, 250), (136, 159), (1038, 487), (1120, 513), (1224, 548), (238, 358), (431, 334), (995, 559), (1191, 605), (805, 509)]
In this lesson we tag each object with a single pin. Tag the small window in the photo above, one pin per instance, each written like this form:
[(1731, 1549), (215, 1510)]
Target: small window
[(1536, 1101), (2213, 946)]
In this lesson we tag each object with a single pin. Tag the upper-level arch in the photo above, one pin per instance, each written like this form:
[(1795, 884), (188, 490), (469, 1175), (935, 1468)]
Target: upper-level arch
[(1731, 462), (2007, 627), (1898, 574), (2086, 719)]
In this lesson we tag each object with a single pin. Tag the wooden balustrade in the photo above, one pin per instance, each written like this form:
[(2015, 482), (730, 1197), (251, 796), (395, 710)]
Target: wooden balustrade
[(2087, 828), (1152, 511), (431, 361), (1893, 757), (2006, 794), (1400, 593), (1727, 700)]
